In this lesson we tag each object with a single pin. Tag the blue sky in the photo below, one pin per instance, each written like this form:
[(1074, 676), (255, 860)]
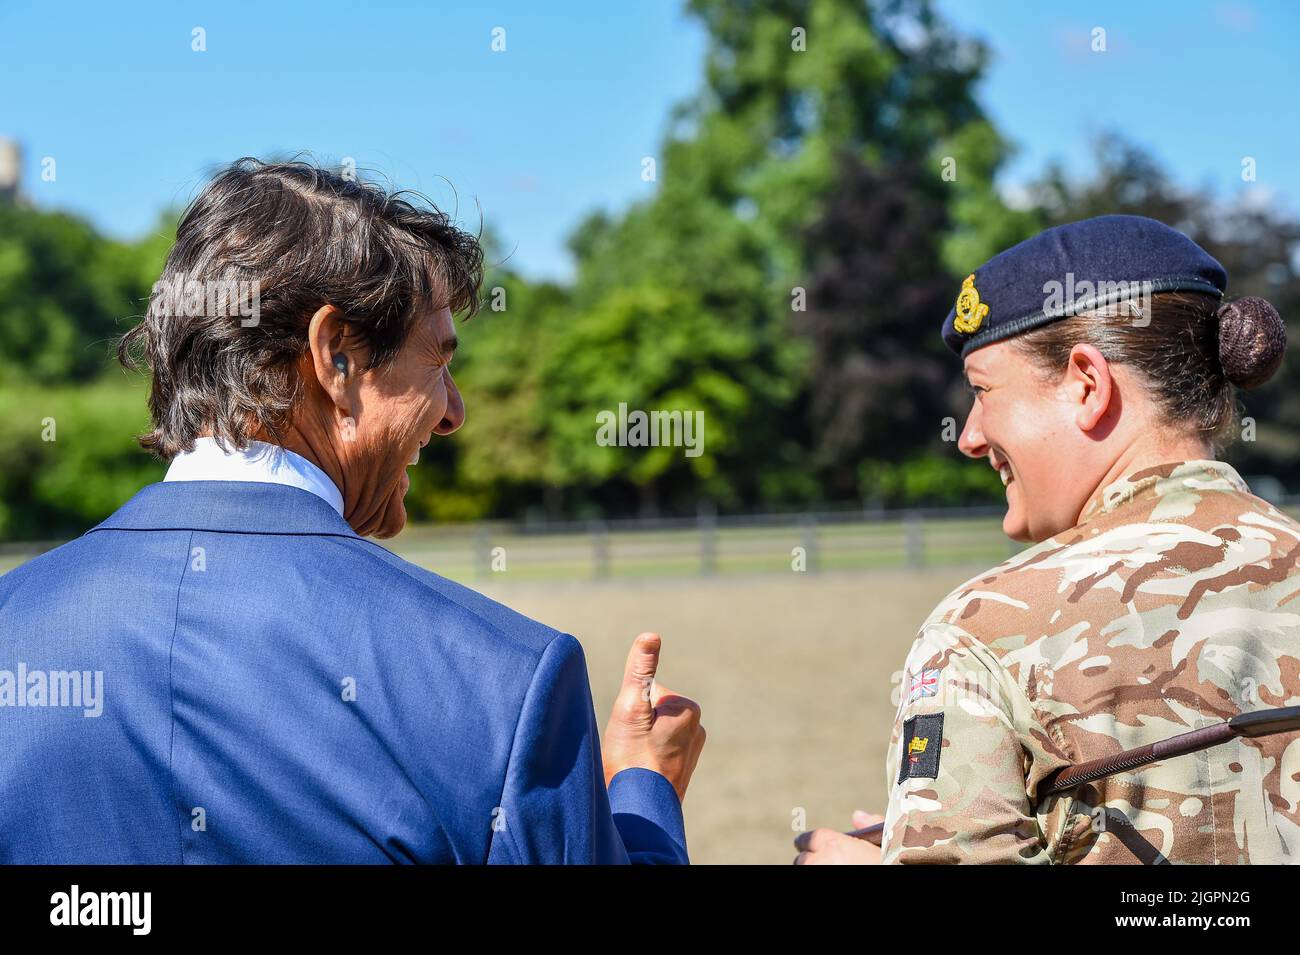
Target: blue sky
[(556, 126)]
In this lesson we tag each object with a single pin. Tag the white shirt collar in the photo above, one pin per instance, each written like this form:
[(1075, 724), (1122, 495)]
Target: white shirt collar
[(260, 462)]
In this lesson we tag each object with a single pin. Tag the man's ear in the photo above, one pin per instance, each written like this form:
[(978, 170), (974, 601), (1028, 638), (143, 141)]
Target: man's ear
[(333, 366), (1089, 385)]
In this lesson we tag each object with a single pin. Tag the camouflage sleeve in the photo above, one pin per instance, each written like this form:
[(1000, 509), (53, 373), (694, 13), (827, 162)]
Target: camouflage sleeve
[(958, 758)]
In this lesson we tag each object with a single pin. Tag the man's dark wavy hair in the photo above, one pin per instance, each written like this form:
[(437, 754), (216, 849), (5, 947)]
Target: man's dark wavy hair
[(307, 237)]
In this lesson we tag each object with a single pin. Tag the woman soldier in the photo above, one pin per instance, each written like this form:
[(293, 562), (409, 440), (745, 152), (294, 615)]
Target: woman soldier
[(1161, 595)]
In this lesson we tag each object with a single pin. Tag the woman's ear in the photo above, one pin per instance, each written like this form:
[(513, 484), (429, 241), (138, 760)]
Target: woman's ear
[(331, 364), (1089, 386)]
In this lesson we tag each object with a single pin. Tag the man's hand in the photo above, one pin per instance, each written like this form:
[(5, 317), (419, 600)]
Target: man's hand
[(828, 847), (651, 727)]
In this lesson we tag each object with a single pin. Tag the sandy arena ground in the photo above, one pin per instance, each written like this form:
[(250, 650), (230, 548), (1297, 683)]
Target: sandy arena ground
[(794, 673)]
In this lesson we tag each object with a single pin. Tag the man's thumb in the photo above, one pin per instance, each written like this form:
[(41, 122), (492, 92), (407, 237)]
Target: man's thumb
[(639, 674)]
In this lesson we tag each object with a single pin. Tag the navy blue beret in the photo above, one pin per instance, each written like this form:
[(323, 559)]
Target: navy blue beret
[(1074, 268)]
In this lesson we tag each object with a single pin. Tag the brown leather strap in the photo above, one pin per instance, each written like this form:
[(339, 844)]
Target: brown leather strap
[(1129, 759)]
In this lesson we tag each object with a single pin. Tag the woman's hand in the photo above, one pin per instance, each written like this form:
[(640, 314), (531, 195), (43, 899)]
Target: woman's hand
[(828, 847)]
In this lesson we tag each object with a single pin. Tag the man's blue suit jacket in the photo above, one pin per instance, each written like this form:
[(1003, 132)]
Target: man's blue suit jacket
[(277, 689)]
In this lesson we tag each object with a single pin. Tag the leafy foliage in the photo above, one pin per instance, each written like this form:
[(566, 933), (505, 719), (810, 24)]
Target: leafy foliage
[(813, 210)]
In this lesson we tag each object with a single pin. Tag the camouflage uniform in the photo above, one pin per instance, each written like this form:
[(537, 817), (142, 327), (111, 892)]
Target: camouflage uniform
[(1174, 604)]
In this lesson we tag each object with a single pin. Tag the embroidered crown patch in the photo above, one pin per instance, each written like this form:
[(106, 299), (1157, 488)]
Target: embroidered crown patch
[(971, 312)]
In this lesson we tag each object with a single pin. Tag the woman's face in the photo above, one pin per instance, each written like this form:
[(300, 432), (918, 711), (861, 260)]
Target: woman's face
[(1029, 431), (398, 408)]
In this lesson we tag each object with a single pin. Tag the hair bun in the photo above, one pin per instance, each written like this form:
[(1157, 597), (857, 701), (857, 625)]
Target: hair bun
[(1252, 340)]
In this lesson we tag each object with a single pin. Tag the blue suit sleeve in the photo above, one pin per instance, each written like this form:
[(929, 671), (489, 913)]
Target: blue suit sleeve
[(554, 805)]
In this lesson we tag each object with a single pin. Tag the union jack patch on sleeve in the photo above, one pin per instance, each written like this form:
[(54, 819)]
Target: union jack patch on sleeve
[(923, 684)]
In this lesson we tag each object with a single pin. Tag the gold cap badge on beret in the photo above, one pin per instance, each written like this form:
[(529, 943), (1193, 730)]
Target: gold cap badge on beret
[(970, 311)]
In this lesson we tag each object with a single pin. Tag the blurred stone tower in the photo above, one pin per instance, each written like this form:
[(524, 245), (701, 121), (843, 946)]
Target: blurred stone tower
[(11, 165)]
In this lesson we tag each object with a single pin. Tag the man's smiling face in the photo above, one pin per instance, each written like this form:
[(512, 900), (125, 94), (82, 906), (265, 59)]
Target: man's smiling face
[(399, 408)]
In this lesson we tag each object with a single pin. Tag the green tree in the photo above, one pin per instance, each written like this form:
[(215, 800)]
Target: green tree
[(67, 414), (798, 247)]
